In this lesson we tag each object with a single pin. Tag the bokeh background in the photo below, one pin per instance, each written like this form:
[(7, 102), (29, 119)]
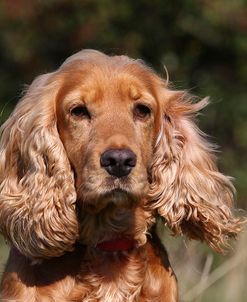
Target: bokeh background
[(202, 43)]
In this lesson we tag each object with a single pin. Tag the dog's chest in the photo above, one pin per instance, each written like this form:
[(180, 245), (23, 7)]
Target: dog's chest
[(135, 276), (105, 280), (116, 278)]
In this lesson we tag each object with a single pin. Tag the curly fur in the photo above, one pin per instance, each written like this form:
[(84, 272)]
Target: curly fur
[(187, 188), (37, 187), (54, 196)]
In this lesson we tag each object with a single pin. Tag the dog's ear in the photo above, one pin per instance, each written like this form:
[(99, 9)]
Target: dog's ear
[(37, 195), (187, 189)]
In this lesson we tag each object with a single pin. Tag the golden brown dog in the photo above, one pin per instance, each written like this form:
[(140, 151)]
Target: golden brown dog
[(90, 157)]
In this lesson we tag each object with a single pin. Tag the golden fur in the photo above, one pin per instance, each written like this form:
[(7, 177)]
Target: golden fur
[(57, 202)]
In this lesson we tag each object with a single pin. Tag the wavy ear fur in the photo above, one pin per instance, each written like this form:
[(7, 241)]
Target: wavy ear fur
[(187, 190), (37, 195)]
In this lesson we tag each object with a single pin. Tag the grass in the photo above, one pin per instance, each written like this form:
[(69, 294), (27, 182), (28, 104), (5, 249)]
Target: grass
[(3, 254)]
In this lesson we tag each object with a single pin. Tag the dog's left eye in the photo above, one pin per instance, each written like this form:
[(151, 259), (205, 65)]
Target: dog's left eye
[(80, 111), (142, 111)]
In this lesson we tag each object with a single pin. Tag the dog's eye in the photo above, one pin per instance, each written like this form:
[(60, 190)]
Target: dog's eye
[(80, 112), (142, 111)]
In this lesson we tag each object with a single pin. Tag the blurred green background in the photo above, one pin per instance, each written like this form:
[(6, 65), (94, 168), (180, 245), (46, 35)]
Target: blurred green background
[(202, 43)]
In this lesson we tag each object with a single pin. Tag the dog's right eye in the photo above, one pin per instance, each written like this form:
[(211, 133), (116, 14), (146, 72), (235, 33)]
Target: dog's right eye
[(80, 112)]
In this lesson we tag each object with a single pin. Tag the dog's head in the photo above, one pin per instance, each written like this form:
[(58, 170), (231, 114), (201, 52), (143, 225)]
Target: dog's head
[(106, 135), (107, 120)]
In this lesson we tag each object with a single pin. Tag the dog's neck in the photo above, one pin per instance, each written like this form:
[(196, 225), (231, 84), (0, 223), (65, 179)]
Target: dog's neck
[(117, 245)]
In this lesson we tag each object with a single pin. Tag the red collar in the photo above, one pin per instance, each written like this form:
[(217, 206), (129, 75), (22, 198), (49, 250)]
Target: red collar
[(116, 245)]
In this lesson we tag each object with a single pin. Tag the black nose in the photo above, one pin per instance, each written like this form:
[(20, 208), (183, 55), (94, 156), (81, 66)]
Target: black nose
[(118, 162)]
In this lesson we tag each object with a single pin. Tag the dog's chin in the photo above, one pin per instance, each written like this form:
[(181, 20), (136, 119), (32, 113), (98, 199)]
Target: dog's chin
[(118, 198)]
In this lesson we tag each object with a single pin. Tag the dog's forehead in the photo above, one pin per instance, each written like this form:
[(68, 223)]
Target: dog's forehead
[(93, 82)]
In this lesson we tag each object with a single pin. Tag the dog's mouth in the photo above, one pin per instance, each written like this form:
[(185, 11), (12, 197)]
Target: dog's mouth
[(117, 188), (118, 198)]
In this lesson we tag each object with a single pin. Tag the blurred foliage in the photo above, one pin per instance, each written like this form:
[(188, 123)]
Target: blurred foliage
[(202, 43)]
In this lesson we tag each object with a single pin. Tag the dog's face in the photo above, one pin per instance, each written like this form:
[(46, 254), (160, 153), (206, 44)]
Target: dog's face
[(107, 119)]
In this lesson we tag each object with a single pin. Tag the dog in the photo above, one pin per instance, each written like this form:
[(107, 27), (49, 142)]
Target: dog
[(91, 157)]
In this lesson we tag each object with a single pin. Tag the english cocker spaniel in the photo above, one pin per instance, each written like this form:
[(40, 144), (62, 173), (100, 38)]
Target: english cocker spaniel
[(91, 156)]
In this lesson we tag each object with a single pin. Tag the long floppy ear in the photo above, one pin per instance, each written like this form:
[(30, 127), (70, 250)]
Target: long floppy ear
[(187, 189), (37, 195)]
